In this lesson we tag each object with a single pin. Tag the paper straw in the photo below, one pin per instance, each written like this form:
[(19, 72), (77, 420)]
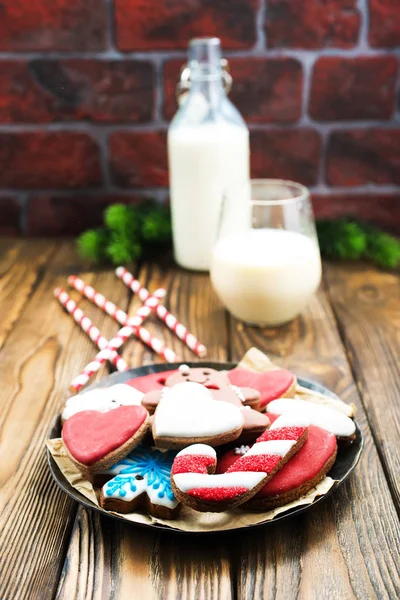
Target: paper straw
[(169, 319), (119, 315), (120, 337), (91, 330)]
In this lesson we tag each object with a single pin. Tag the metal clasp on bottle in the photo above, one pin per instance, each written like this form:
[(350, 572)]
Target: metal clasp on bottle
[(183, 85)]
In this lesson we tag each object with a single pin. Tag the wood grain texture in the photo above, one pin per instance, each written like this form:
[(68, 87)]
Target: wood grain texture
[(366, 303), (42, 352), (341, 548), (21, 266), (133, 562)]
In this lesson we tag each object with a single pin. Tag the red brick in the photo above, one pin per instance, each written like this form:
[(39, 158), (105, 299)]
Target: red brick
[(139, 159), (381, 209), (353, 88), (264, 90), (159, 25), (314, 24), (69, 214), (10, 216), (48, 159), (384, 23), (362, 156), (286, 154), (53, 90), (53, 25)]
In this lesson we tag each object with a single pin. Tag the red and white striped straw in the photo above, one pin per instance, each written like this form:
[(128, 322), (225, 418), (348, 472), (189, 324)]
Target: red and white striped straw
[(91, 330), (169, 319), (120, 337), (119, 315)]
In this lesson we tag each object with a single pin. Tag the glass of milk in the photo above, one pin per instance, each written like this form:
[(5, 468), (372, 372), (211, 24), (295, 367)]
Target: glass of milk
[(266, 263)]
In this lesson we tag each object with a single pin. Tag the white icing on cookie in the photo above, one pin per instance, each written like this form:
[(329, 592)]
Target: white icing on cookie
[(188, 410), (303, 413), (238, 392), (184, 369), (276, 447), (241, 450), (199, 450), (243, 479), (102, 400)]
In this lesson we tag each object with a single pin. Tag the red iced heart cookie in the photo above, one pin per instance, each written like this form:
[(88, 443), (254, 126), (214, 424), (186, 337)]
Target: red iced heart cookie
[(152, 382), (300, 474), (96, 440), (274, 384)]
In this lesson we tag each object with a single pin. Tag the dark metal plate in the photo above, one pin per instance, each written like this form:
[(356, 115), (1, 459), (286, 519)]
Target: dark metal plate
[(345, 463)]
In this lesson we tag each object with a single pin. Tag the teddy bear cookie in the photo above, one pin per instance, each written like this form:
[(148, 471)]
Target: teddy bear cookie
[(195, 484), (96, 440), (299, 475), (188, 414), (273, 384), (141, 481), (102, 400)]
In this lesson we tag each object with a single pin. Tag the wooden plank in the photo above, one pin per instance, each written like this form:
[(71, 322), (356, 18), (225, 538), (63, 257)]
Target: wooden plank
[(146, 564), (347, 546), (366, 303), (21, 264), (39, 357)]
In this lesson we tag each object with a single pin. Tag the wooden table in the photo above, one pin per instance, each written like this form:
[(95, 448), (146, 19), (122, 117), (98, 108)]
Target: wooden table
[(345, 547)]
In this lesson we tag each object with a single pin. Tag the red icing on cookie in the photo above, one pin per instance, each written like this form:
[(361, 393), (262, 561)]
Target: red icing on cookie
[(217, 494), (149, 383), (304, 465), (261, 463), (91, 435), (190, 463), (287, 433), (270, 384)]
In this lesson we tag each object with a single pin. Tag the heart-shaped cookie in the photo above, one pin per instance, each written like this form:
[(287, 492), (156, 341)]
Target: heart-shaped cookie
[(102, 400), (188, 414), (95, 440), (278, 383)]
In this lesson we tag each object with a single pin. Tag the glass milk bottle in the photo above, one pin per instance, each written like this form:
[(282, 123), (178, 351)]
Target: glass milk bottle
[(208, 149)]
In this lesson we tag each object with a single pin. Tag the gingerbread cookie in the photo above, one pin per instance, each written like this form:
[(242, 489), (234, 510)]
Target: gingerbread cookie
[(195, 485), (254, 422), (141, 481), (327, 418), (213, 380), (102, 400), (299, 475), (277, 383), (95, 441), (188, 414)]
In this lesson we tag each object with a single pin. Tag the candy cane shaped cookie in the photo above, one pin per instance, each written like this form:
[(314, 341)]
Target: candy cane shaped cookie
[(195, 484)]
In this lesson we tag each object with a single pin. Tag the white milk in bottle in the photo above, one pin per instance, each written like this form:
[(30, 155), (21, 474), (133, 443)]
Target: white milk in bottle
[(208, 150)]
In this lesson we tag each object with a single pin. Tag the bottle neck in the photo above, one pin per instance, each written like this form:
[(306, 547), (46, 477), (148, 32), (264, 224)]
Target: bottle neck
[(206, 71), (209, 86)]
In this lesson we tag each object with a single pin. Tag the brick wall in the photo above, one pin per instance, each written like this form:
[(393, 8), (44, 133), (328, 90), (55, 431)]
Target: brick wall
[(87, 90)]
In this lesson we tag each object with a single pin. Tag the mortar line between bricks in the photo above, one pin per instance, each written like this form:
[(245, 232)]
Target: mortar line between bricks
[(261, 44), (98, 128), (113, 190), (164, 55), (110, 41), (363, 44)]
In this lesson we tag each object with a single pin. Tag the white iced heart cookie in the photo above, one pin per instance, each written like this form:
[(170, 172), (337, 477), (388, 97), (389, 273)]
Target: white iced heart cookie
[(102, 400), (188, 414)]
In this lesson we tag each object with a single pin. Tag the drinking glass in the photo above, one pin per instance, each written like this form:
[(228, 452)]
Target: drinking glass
[(266, 263)]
